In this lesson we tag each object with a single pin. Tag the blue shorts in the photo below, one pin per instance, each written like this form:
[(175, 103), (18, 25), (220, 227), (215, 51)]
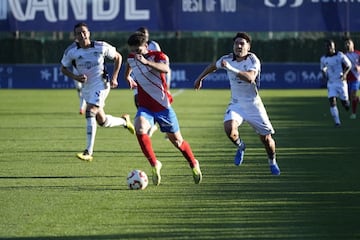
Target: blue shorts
[(166, 119), (354, 86)]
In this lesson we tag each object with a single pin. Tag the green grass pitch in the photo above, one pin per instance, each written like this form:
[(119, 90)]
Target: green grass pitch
[(46, 193)]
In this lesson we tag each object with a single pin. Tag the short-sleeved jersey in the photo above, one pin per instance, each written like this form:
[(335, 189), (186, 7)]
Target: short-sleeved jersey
[(240, 89), (153, 92), (153, 46), (334, 65), (354, 58), (89, 61)]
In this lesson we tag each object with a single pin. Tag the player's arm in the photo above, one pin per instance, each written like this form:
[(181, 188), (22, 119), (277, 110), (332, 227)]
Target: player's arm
[(357, 65), (346, 70), (324, 74), (117, 64), (128, 78), (323, 69), (248, 76), (209, 69), (346, 67), (67, 72), (162, 67)]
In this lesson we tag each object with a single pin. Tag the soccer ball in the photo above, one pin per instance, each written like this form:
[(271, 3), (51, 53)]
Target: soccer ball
[(137, 180)]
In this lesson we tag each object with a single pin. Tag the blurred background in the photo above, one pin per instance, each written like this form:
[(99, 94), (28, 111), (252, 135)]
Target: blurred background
[(290, 32)]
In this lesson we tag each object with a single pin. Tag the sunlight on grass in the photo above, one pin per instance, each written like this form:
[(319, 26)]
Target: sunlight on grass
[(46, 193)]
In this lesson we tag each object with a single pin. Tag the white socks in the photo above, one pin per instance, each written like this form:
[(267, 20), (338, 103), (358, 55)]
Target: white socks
[(91, 127), (112, 121), (335, 114), (272, 161)]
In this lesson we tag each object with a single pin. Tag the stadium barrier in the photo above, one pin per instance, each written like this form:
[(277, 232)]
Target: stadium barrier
[(273, 76)]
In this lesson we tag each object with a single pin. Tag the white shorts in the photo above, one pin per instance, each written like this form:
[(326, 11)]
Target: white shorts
[(96, 97), (254, 113), (338, 89)]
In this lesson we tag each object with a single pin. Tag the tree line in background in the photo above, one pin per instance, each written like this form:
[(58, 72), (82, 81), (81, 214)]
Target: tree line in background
[(186, 48)]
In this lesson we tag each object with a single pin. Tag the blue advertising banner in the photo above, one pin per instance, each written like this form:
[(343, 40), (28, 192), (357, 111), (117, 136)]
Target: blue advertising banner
[(273, 76), (181, 15)]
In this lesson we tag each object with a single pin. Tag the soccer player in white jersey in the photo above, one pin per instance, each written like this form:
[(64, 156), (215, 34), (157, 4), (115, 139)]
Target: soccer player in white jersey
[(154, 104), (243, 71), (353, 77), (335, 66), (89, 59)]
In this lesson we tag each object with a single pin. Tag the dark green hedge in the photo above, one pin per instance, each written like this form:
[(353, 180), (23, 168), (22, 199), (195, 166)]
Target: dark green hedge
[(179, 50)]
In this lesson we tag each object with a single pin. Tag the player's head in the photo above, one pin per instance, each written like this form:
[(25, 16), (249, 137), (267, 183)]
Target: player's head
[(330, 46), (242, 35), (241, 45), (349, 45), (145, 31), (137, 43), (82, 34)]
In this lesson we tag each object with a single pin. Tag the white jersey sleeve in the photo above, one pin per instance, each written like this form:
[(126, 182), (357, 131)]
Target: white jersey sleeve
[(241, 89), (153, 46), (67, 60)]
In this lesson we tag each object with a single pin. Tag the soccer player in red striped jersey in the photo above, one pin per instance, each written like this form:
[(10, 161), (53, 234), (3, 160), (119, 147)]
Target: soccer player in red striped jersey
[(149, 70), (353, 77)]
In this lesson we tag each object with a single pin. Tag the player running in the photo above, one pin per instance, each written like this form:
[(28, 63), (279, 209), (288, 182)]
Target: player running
[(89, 58), (335, 66), (154, 104), (243, 71), (353, 77)]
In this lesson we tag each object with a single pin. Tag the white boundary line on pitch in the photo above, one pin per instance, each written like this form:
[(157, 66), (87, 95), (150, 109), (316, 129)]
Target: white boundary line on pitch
[(178, 92)]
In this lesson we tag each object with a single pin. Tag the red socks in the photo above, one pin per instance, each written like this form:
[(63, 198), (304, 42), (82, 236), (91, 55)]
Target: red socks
[(354, 105), (146, 147), (187, 152)]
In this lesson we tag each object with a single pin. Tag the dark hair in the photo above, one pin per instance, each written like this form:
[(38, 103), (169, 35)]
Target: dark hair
[(243, 35), (142, 29), (136, 39), (81, 24), (329, 41)]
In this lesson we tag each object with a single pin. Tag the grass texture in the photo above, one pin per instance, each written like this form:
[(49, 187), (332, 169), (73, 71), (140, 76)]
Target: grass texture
[(46, 193)]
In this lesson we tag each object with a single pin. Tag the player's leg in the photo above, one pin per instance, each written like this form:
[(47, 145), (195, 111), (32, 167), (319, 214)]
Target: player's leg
[(232, 121), (143, 121), (332, 95), (168, 123), (344, 96), (107, 120), (184, 147), (334, 111), (91, 128), (270, 148), (260, 122), (353, 88), (153, 127)]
